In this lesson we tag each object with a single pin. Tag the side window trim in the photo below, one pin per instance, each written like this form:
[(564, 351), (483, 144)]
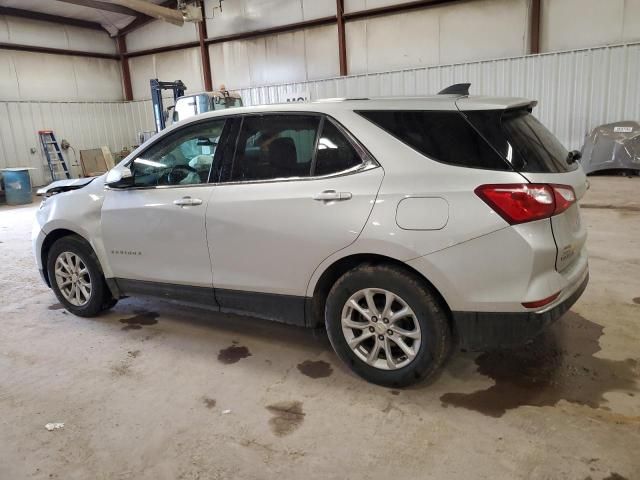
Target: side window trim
[(368, 161), (229, 172), (225, 136), (314, 158)]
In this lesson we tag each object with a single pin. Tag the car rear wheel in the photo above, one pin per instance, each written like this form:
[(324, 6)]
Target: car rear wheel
[(387, 325), (76, 277)]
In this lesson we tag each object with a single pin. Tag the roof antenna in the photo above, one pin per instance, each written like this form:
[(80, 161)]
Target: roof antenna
[(456, 89)]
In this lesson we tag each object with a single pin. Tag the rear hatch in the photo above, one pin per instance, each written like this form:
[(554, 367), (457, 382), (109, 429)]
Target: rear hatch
[(534, 152)]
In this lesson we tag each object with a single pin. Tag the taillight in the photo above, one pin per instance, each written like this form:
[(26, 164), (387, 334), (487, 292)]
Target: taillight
[(526, 202), (564, 197)]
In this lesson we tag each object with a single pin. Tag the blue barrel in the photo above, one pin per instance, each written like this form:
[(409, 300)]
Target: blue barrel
[(17, 186)]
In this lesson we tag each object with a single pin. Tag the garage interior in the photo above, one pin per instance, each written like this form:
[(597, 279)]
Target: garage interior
[(154, 389)]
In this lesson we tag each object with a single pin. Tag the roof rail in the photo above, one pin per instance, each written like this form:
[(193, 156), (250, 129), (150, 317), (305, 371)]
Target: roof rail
[(456, 89)]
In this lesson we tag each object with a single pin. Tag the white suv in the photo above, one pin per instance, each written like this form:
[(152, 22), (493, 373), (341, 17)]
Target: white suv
[(405, 226)]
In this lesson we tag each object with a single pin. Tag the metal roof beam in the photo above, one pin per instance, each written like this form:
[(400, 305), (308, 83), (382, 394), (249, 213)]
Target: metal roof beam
[(45, 17), (104, 6)]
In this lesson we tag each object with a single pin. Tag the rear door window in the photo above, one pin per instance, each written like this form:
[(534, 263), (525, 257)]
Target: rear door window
[(444, 136), (275, 146)]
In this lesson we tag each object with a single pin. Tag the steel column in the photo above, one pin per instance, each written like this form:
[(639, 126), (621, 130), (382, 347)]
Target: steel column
[(204, 51), (342, 44), (124, 63), (534, 27)]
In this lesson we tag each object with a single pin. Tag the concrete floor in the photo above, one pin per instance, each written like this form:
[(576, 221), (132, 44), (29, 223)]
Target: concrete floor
[(153, 390)]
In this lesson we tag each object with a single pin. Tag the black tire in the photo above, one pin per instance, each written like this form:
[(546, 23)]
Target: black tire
[(429, 313), (100, 298)]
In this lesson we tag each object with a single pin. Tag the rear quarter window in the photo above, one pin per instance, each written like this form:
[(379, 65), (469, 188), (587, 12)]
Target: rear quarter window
[(444, 136)]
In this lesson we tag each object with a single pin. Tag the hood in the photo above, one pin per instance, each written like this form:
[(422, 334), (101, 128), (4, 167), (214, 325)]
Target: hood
[(614, 146), (64, 185)]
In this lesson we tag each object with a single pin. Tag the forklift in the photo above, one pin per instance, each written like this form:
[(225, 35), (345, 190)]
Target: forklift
[(190, 105)]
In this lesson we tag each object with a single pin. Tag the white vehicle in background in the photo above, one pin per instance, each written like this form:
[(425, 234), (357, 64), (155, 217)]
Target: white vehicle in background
[(405, 226)]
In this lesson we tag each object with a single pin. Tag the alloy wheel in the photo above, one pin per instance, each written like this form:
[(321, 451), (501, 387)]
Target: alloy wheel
[(381, 328), (73, 279)]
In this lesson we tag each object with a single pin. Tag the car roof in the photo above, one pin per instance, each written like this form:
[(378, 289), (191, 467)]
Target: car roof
[(329, 105)]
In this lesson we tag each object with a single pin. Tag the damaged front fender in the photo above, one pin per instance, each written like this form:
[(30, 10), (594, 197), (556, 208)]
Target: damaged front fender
[(60, 186)]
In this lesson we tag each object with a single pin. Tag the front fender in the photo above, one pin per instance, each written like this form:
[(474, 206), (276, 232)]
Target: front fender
[(78, 211)]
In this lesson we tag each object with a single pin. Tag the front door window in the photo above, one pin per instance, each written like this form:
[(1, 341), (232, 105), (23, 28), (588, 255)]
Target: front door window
[(184, 158)]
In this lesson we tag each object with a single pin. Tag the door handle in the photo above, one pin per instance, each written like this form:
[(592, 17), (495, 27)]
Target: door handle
[(332, 195), (187, 202)]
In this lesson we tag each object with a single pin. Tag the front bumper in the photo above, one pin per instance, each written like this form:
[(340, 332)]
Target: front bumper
[(477, 331)]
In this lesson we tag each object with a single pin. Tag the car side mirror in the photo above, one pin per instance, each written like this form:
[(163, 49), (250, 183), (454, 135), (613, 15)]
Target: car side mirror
[(119, 177)]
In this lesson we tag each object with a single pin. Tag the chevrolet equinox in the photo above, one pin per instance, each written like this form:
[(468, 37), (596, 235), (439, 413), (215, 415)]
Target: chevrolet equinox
[(405, 226)]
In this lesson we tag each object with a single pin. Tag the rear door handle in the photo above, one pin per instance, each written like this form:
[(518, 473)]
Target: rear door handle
[(332, 195), (187, 202)]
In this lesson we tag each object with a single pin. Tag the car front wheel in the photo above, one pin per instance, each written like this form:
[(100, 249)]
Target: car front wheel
[(76, 277), (387, 325)]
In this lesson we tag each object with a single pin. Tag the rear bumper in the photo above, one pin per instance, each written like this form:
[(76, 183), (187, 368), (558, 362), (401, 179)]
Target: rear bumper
[(485, 330)]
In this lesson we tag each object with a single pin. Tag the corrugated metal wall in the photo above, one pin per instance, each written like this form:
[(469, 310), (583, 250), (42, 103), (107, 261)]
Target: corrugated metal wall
[(84, 125), (576, 90)]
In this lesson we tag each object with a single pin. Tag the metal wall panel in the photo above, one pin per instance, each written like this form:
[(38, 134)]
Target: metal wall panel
[(592, 22), (237, 16), (43, 77), (47, 34), (576, 90), (160, 34), (182, 65), (456, 32), (84, 125), (291, 56)]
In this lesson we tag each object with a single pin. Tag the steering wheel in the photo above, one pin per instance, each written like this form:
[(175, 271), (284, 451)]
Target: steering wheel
[(179, 173)]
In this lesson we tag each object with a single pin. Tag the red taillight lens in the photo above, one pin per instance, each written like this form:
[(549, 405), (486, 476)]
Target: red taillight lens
[(564, 197), (526, 202)]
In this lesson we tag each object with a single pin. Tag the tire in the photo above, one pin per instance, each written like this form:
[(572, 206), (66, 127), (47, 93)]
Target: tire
[(427, 326), (75, 255)]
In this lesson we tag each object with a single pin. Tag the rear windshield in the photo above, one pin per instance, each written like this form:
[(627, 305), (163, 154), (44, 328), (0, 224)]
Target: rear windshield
[(444, 136), (488, 139), (522, 140)]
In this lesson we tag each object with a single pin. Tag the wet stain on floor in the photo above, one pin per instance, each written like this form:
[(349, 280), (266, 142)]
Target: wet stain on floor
[(209, 402), (233, 354), (636, 300), (395, 392), (121, 370), (134, 353), (142, 318), (287, 417), (612, 476), (317, 369), (55, 306), (559, 365)]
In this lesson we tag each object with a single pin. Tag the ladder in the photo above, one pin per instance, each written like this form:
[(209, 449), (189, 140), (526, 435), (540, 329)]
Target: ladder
[(52, 152)]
